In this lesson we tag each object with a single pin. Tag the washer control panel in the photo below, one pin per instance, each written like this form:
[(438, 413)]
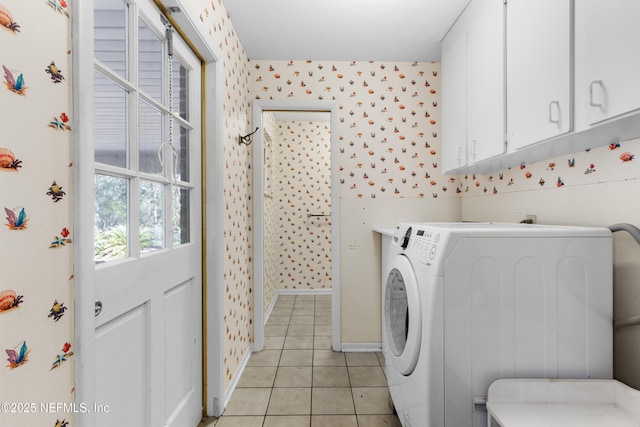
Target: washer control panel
[(426, 242)]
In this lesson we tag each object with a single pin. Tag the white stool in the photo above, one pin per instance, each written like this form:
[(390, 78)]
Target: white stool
[(562, 403)]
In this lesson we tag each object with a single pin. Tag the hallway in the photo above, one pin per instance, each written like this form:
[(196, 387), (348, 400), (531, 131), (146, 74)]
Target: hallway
[(297, 380)]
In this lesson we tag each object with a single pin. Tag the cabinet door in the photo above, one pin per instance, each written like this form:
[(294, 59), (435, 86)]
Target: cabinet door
[(454, 98), (539, 94), (485, 45), (608, 35)]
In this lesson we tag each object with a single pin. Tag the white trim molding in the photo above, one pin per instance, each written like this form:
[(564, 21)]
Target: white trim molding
[(361, 347), (259, 106), (304, 292), (234, 383), (84, 213)]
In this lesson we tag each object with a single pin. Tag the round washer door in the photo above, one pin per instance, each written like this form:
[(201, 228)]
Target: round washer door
[(402, 315)]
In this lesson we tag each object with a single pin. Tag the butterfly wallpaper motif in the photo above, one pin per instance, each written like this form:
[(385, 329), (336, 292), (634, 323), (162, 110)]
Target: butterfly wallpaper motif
[(15, 83), (16, 221), (18, 357), (36, 293)]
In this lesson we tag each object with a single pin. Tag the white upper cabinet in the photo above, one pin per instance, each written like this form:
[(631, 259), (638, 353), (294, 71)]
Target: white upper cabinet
[(473, 86), (567, 80), (454, 98), (486, 94), (539, 70), (607, 59)]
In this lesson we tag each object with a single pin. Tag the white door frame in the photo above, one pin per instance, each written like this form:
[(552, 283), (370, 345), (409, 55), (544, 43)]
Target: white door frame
[(259, 106), (213, 245)]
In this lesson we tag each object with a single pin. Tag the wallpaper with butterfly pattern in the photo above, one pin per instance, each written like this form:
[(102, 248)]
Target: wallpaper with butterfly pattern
[(36, 199), (303, 193), (213, 20), (607, 163), (388, 124)]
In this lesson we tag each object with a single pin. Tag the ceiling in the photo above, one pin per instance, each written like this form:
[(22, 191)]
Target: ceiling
[(343, 30)]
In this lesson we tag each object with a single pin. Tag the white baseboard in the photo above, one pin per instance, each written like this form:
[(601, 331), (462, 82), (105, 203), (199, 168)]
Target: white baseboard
[(361, 347), (304, 291), (234, 383), (270, 308)]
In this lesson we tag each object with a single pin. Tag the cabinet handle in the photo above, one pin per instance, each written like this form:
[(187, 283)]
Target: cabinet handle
[(551, 115), (472, 145), (591, 85), (459, 154)]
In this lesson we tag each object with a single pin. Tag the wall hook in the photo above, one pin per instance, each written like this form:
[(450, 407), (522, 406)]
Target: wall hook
[(247, 140)]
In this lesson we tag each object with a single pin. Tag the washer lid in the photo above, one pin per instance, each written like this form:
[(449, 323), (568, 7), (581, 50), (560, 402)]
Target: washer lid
[(402, 315)]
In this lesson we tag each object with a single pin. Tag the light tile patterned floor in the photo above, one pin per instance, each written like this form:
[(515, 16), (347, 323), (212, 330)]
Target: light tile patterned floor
[(297, 380)]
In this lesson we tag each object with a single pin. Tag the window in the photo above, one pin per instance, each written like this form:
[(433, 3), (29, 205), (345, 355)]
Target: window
[(142, 136)]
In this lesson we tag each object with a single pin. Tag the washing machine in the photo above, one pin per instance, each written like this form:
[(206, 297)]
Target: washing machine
[(465, 304)]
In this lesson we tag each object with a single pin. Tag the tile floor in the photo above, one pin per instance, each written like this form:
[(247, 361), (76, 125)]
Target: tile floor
[(297, 380)]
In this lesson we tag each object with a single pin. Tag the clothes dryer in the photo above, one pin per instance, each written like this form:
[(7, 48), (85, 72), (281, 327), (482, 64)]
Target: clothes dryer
[(465, 304)]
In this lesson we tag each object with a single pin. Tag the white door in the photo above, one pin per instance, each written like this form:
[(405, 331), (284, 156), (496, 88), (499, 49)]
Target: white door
[(539, 70), (148, 220)]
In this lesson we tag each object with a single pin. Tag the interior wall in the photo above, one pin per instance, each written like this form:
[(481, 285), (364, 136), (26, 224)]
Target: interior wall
[(297, 175), (594, 188), (389, 125), (212, 21), (302, 188), (36, 196)]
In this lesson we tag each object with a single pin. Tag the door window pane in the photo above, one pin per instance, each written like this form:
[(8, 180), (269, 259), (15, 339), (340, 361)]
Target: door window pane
[(150, 135), (181, 222), (181, 144), (132, 121), (179, 88), (110, 121), (151, 216), (110, 34), (111, 233), (150, 61)]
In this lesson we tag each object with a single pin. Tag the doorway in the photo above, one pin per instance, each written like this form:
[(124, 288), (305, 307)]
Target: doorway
[(313, 216)]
